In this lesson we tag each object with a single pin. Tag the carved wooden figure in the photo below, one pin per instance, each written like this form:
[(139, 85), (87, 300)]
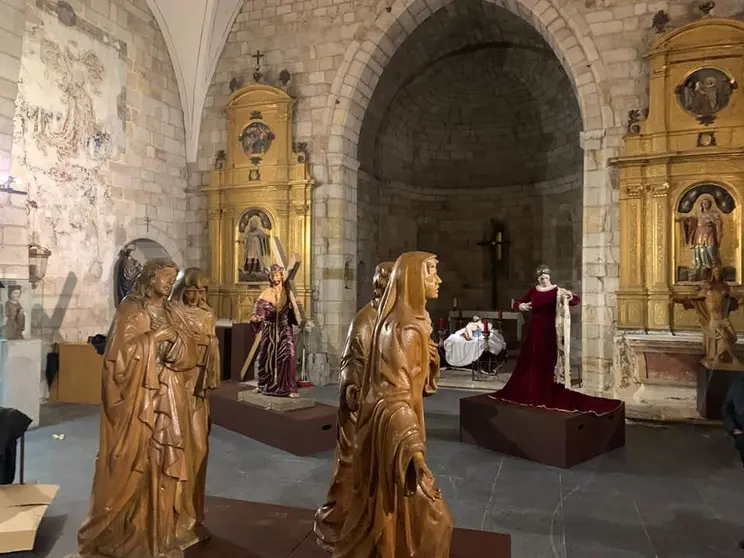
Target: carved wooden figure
[(191, 312), (144, 464), (396, 510), (713, 304), (330, 517)]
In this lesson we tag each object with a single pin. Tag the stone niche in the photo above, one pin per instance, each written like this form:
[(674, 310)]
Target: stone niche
[(682, 165)]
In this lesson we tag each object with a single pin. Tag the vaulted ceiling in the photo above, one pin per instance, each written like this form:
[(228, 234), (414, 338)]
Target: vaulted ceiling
[(195, 37)]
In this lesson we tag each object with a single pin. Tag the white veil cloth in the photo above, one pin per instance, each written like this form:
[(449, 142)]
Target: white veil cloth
[(563, 338), (461, 352)]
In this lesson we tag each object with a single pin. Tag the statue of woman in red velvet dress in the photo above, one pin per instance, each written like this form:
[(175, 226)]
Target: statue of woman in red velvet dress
[(273, 317), (541, 377)]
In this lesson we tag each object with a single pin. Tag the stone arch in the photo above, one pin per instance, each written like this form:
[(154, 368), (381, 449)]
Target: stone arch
[(562, 27), (569, 36), (139, 229)]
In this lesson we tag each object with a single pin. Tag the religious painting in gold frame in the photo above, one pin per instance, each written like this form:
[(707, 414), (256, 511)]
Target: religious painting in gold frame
[(706, 233), (704, 92)]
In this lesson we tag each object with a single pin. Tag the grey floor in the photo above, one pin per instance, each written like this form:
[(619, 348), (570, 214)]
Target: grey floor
[(672, 492)]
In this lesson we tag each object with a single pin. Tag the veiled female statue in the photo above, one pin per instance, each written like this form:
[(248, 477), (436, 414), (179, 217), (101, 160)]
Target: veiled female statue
[(331, 516), (395, 509), (191, 312), (142, 468)]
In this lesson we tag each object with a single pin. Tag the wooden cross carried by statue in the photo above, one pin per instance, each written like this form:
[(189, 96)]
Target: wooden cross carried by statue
[(291, 266), (496, 246)]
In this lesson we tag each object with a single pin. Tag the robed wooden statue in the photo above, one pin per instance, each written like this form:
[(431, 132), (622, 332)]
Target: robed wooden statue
[(395, 509), (329, 519), (147, 472)]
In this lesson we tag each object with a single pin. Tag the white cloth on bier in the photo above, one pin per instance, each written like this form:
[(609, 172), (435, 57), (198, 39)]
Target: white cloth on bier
[(463, 352)]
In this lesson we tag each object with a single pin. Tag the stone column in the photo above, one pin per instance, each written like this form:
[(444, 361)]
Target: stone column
[(335, 251), (600, 276), (14, 218)]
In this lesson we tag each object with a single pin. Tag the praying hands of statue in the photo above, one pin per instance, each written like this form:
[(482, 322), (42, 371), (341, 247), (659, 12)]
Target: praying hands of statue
[(425, 478), (255, 319), (525, 306)]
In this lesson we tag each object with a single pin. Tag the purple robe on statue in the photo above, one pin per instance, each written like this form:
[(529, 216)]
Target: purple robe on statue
[(276, 359)]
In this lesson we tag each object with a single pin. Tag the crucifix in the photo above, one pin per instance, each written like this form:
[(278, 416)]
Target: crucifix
[(257, 74), (147, 218), (495, 245)]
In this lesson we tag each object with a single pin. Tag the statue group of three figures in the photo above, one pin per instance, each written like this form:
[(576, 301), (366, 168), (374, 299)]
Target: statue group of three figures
[(161, 360)]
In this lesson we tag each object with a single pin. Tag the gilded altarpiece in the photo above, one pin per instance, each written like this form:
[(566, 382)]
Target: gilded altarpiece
[(260, 192), (681, 180)]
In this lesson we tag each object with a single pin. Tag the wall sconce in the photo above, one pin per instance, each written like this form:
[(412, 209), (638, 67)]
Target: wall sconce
[(8, 183), (38, 256)]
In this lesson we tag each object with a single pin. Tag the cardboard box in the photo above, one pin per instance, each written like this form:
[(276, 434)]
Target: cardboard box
[(21, 508)]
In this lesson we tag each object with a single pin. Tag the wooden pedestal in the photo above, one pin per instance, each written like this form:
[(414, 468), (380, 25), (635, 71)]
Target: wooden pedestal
[(712, 386), (78, 379), (554, 438), (301, 432), (251, 530)]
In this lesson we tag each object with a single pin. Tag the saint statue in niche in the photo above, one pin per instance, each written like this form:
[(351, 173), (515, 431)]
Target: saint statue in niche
[(703, 230), (255, 243), (127, 271), (16, 318), (705, 92)]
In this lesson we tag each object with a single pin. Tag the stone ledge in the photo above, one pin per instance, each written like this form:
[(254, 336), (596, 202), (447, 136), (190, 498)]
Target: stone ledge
[(278, 404)]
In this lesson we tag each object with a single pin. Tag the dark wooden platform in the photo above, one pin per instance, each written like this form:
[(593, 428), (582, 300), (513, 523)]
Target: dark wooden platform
[(545, 436), (243, 529), (301, 432), (712, 386)]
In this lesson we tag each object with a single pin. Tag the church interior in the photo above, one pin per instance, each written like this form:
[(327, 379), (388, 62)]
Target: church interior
[(484, 255)]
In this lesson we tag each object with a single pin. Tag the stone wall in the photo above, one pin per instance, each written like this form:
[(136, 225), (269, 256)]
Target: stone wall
[(339, 53), (99, 142), (13, 239)]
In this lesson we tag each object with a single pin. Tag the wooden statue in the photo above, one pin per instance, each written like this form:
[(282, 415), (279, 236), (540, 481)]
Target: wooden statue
[(191, 312), (14, 314), (127, 270), (143, 467), (396, 510), (274, 315), (330, 517), (713, 303)]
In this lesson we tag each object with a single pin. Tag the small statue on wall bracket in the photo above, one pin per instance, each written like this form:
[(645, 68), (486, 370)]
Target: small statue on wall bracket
[(660, 21), (300, 149), (236, 83), (635, 116), (285, 77), (219, 160)]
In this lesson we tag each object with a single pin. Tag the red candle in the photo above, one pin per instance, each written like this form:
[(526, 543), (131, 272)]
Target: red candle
[(441, 323), (485, 326), (499, 314)]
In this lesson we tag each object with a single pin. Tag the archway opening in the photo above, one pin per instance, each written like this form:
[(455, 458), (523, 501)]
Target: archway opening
[(473, 128)]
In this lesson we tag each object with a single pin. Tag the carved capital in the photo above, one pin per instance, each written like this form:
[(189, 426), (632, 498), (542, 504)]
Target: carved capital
[(659, 190), (214, 214), (633, 190)]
